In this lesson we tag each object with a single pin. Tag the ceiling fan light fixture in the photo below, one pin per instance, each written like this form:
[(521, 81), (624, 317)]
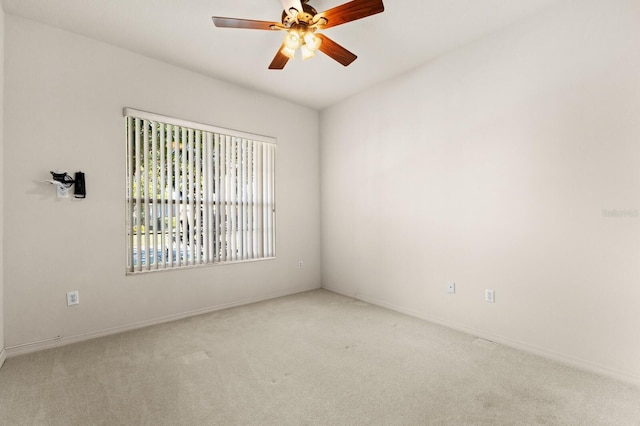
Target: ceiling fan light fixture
[(312, 41), (288, 52), (292, 40), (307, 52)]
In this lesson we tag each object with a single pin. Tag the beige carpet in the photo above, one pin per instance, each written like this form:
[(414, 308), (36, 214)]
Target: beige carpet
[(311, 358)]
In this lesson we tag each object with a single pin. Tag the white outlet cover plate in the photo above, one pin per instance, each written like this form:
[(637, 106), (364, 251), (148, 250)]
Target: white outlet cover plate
[(73, 298), (451, 288), (490, 296)]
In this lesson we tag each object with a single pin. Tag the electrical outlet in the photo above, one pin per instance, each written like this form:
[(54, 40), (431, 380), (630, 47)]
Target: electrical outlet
[(490, 296), (451, 288), (300, 264), (73, 298)]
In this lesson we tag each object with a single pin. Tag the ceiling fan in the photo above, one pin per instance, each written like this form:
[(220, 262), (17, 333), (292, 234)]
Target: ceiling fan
[(301, 22)]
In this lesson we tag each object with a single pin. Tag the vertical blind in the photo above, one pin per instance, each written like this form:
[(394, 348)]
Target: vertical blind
[(196, 194)]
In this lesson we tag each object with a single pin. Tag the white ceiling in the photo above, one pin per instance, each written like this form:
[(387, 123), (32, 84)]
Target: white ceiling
[(408, 33)]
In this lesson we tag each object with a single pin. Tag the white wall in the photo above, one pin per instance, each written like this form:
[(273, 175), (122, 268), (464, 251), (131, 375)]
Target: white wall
[(491, 167), (2, 353), (65, 95)]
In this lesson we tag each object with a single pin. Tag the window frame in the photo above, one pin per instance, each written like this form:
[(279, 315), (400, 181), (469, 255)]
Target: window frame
[(251, 171)]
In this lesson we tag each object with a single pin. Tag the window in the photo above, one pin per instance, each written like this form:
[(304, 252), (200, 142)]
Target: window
[(196, 194)]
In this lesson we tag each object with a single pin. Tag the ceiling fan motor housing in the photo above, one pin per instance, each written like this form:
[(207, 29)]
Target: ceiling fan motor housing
[(306, 16)]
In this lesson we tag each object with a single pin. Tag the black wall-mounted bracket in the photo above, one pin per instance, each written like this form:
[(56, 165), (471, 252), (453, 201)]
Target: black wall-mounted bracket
[(64, 182)]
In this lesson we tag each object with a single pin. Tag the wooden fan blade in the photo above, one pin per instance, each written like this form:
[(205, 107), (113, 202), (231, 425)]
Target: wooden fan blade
[(279, 61), (351, 11), (287, 5), (219, 21), (335, 51)]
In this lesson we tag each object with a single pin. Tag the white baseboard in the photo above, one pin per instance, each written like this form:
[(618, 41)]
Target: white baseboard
[(3, 357), (57, 341), (571, 361)]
